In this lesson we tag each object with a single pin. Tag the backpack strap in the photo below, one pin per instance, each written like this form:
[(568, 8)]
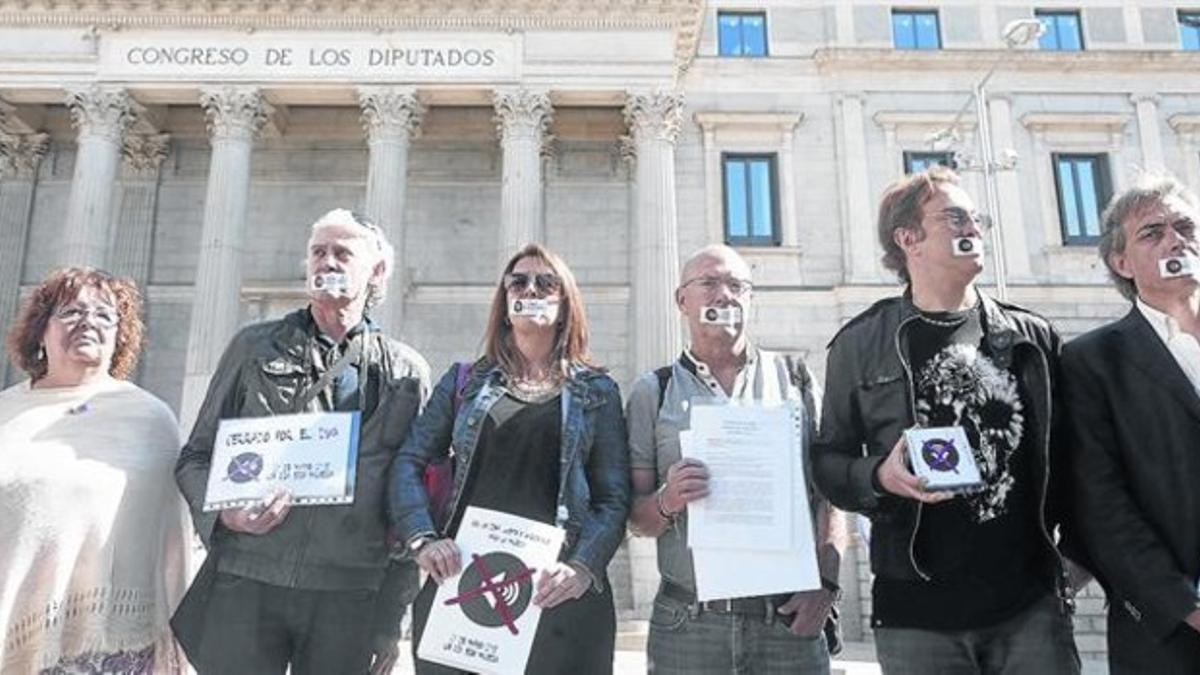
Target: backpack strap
[(664, 377)]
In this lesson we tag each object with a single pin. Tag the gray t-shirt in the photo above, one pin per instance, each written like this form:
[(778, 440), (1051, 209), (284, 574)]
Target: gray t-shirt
[(654, 430)]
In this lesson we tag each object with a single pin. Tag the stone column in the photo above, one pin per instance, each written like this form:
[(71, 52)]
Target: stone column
[(235, 116), (20, 157), (654, 120), (391, 117), (1008, 189), (1148, 131), (143, 155), (522, 122), (859, 244), (100, 115)]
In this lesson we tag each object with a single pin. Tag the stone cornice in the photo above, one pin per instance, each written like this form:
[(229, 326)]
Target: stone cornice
[(870, 59), (1075, 122), (684, 17), (748, 120)]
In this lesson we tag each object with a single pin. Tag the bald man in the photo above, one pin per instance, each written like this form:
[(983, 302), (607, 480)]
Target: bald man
[(763, 634)]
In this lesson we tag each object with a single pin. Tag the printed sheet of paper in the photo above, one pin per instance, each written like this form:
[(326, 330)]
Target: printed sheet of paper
[(483, 620), (755, 569), (751, 452), (312, 455)]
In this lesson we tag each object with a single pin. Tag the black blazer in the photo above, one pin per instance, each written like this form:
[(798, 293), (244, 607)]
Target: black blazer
[(1134, 419)]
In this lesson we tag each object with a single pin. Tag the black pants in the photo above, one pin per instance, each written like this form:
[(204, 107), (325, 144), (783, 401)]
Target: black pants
[(575, 638), (252, 628)]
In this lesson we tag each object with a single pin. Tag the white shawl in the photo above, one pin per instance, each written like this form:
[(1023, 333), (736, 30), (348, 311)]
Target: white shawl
[(92, 548)]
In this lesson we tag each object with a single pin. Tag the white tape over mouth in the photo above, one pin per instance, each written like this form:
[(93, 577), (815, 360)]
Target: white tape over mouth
[(1179, 266), (966, 247), (721, 316), (531, 307), (335, 284)]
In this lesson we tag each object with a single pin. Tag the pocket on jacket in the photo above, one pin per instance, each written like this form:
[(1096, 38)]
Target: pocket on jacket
[(883, 404)]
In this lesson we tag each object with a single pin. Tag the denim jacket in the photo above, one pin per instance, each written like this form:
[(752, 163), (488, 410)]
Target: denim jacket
[(593, 493)]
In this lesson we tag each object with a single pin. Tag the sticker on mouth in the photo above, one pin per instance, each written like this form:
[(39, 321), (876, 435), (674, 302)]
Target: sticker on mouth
[(531, 308), (966, 247), (1179, 266), (335, 284), (721, 316)]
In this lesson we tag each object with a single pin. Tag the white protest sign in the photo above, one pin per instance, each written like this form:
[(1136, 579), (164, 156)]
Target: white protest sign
[(311, 455), (483, 620)]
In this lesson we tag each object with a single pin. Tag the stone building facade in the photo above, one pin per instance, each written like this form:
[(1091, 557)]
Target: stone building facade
[(190, 143)]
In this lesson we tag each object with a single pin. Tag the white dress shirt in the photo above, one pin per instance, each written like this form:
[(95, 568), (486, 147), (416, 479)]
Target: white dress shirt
[(1182, 345)]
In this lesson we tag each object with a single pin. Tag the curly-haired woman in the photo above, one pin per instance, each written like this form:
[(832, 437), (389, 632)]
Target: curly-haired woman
[(91, 528)]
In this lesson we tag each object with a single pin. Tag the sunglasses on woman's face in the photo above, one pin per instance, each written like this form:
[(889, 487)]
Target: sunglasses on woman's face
[(544, 283)]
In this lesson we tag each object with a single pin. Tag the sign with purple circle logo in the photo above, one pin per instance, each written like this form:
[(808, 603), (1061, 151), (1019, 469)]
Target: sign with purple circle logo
[(940, 454), (245, 467)]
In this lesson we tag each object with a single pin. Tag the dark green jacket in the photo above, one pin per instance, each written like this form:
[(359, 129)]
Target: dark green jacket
[(340, 547)]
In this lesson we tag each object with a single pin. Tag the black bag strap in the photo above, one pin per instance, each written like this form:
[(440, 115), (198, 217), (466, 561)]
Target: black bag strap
[(664, 377), (352, 353)]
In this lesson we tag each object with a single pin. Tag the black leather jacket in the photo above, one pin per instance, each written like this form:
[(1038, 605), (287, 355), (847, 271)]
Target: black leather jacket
[(869, 402), (264, 368)]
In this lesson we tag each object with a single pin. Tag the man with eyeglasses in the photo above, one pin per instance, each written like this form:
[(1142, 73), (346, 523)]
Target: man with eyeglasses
[(765, 634), (1132, 389), (309, 587), (964, 582)]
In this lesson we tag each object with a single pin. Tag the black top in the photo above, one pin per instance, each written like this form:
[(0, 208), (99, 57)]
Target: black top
[(983, 551), (516, 465)]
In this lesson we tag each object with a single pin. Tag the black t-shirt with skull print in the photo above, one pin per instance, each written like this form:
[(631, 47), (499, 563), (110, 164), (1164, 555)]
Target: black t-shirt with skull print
[(981, 550)]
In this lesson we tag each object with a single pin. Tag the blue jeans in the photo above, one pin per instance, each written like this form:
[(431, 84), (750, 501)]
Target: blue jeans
[(685, 642), (1038, 640)]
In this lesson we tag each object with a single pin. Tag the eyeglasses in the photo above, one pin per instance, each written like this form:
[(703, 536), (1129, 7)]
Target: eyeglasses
[(100, 317), (711, 285), (961, 220), (544, 283)]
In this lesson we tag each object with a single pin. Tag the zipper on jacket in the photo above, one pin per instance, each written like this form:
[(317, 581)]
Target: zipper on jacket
[(912, 416), (1060, 587)]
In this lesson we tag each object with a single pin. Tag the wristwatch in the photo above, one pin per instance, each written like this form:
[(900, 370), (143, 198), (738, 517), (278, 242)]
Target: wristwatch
[(418, 542)]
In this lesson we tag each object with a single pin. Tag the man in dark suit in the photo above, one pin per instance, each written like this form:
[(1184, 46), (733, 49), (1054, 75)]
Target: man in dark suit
[(1131, 389)]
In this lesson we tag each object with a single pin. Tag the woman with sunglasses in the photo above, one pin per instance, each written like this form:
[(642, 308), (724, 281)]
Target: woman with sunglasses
[(92, 540), (549, 445)]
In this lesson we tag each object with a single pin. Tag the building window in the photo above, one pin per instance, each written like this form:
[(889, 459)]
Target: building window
[(916, 162), (742, 33), (1062, 31), (1189, 29), (751, 200), (912, 29), (1083, 189)]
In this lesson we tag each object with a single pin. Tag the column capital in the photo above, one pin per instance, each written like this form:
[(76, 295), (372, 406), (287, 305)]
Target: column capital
[(1144, 97), (143, 154), (20, 154), (234, 112), (98, 111), (390, 112), (522, 113), (656, 115)]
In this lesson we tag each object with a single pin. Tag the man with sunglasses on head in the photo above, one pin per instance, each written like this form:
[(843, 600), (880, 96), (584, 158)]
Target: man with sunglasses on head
[(764, 634), (964, 582), (1132, 389), (311, 587)]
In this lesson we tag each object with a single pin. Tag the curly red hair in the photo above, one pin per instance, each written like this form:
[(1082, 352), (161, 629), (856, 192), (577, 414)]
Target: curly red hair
[(61, 287)]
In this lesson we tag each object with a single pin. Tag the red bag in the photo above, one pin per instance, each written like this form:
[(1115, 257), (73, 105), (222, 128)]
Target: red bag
[(439, 475)]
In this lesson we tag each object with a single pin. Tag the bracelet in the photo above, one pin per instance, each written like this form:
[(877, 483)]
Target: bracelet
[(662, 508)]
